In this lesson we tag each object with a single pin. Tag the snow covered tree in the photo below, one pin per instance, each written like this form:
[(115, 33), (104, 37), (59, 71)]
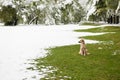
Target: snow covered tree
[(72, 12), (105, 9), (101, 10), (49, 11)]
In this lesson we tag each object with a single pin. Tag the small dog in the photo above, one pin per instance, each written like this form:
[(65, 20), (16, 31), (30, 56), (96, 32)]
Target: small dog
[(83, 49)]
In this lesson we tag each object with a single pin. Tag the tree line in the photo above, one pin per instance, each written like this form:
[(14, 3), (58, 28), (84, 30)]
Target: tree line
[(42, 12), (106, 10)]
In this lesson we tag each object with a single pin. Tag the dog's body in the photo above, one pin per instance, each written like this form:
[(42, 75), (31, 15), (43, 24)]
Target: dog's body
[(83, 50)]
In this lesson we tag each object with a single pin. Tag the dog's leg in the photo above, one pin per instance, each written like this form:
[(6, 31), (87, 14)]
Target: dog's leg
[(81, 51), (84, 52)]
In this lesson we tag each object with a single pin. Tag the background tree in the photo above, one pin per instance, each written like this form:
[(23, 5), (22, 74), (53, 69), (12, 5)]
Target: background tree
[(112, 4), (48, 11), (8, 15), (105, 8), (101, 9)]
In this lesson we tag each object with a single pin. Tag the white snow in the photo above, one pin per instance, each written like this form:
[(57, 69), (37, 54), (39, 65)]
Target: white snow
[(68, 1), (83, 3), (8, 2), (118, 7), (41, 7), (91, 8), (24, 18), (20, 43)]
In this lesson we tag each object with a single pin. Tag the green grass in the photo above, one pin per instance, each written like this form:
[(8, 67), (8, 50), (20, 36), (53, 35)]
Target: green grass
[(101, 29), (101, 64), (92, 24)]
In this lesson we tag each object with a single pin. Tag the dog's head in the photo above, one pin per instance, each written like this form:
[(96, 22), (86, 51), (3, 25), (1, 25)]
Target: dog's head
[(81, 41)]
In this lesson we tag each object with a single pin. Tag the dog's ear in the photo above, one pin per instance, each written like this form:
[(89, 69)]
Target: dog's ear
[(83, 41)]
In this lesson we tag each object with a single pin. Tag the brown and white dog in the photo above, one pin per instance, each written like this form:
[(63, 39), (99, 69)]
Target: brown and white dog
[(83, 49)]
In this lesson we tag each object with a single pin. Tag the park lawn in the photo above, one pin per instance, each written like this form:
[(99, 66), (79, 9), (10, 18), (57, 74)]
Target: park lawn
[(91, 24), (101, 29), (103, 62)]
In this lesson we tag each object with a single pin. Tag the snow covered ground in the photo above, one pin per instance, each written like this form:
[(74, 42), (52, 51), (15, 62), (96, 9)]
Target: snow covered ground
[(20, 43)]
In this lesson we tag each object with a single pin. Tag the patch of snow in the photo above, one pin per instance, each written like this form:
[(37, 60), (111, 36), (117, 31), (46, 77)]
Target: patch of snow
[(91, 8), (24, 18), (118, 7), (41, 7), (35, 0), (68, 1), (91, 11), (7, 2), (83, 3), (0, 8)]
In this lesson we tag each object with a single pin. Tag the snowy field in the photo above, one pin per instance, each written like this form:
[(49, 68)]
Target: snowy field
[(20, 43)]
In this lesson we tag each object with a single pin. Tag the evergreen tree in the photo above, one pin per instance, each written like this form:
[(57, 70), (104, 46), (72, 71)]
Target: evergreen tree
[(8, 15), (112, 4), (103, 7)]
